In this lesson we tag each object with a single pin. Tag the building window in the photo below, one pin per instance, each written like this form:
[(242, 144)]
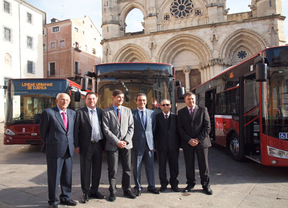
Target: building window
[(7, 7), (75, 29), (77, 68), (62, 43), (51, 69), (93, 51), (7, 34), (53, 45), (242, 54), (29, 17), (29, 42), (30, 67), (181, 9), (44, 47), (55, 29)]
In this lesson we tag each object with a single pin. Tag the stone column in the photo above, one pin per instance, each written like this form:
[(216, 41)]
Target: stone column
[(187, 71)]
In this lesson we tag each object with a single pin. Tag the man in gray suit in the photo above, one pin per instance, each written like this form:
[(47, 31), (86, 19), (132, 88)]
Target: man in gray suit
[(143, 144), (118, 128), (56, 132), (167, 144)]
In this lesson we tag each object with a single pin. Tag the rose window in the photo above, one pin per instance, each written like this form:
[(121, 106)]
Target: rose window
[(181, 8)]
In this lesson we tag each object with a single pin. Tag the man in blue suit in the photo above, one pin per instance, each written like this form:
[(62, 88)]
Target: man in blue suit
[(143, 144), (56, 131)]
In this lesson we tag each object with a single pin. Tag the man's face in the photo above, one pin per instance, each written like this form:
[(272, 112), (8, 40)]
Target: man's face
[(91, 101), (141, 102), (190, 101), (118, 100), (165, 106), (63, 101)]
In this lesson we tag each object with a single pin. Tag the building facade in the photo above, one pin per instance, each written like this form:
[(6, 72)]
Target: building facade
[(21, 43), (71, 47), (198, 37)]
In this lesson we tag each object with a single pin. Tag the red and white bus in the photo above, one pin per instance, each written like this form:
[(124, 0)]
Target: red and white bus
[(248, 107), (26, 99)]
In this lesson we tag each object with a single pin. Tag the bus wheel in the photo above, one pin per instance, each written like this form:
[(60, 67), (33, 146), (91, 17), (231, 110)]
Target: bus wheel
[(235, 148)]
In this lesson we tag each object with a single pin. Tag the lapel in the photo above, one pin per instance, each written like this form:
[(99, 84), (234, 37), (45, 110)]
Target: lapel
[(59, 118), (196, 111), (86, 115), (114, 114), (163, 120), (187, 114)]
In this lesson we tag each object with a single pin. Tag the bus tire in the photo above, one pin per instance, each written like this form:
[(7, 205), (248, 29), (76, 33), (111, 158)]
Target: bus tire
[(235, 148)]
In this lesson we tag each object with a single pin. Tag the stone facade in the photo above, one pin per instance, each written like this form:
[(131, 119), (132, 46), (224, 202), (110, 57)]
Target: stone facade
[(198, 37)]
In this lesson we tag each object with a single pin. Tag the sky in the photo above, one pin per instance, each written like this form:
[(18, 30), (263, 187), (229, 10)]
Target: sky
[(73, 9)]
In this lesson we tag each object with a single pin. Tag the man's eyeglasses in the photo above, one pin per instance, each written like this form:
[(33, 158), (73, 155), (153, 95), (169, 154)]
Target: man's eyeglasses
[(165, 105)]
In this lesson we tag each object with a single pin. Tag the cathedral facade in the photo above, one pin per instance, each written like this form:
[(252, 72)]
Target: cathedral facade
[(198, 37)]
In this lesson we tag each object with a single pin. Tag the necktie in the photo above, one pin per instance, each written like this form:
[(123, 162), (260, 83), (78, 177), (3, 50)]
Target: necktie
[(166, 117), (118, 115), (191, 112), (143, 118), (65, 121), (95, 125)]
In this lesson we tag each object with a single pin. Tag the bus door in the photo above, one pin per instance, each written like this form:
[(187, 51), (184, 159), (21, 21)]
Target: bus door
[(210, 105), (251, 115)]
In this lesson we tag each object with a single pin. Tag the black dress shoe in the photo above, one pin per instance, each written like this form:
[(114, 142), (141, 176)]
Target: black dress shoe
[(207, 190), (129, 194), (154, 191), (163, 188), (53, 206), (85, 198), (69, 202), (137, 192), (97, 195), (112, 197), (188, 188), (175, 188)]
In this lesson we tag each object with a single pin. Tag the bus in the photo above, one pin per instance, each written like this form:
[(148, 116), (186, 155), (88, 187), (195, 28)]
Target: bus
[(26, 99), (156, 80), (248, 107)]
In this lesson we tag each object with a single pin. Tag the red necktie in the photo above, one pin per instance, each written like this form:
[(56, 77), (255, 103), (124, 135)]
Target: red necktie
[(65, 120)]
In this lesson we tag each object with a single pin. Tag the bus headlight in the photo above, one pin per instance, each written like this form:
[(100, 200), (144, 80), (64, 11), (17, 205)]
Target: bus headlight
[(274, 152), (9, 132)]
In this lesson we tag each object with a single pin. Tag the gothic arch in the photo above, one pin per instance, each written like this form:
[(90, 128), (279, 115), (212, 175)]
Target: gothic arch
[(242, 39), (128, 7), (180, 43), (131, 53)]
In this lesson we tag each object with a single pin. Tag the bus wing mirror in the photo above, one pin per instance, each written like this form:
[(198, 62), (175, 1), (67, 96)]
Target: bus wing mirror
[(181, 92), (84, 83), (77, 96), (261, 72)]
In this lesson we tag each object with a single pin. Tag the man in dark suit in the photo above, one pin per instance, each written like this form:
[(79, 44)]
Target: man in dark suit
[(194, 128), (143, 144), (118, 128), (56, 131), (89, 143), (167, 144)]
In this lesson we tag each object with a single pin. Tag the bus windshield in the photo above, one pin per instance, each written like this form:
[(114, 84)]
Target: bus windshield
[(154, 79), (27, 99), (276, 111)]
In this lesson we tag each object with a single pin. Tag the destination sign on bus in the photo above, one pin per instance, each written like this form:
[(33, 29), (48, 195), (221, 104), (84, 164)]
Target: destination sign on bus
[(37, 86)]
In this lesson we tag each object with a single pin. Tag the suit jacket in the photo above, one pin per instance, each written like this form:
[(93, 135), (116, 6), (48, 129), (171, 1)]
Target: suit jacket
[(142, 134), (53, 134), (83, 129), (115, 131), (197, 127), (166, 134)]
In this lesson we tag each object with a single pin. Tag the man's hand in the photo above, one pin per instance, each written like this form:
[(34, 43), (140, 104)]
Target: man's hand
[(121, 144), (77, 150), (193, 142)]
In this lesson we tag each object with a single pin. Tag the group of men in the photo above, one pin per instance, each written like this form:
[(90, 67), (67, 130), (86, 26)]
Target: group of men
[(129, 136)]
